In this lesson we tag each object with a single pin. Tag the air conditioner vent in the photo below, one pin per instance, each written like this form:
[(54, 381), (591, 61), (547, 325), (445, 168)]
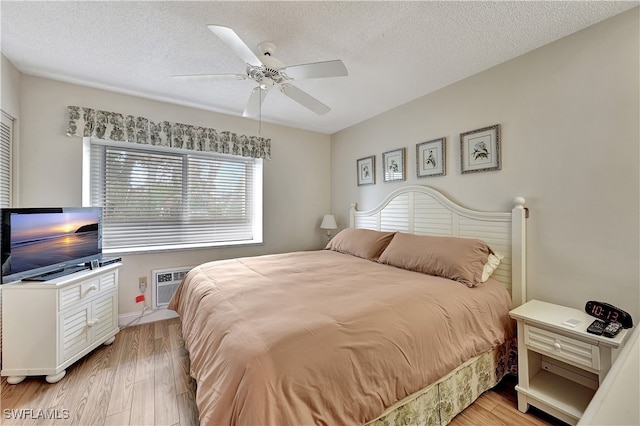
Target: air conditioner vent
[(165, 283)]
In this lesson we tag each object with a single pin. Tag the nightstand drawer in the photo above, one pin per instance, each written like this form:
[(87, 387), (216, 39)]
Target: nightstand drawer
[(562, 347)]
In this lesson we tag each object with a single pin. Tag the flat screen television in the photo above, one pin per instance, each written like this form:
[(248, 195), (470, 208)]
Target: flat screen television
[(36, 243)]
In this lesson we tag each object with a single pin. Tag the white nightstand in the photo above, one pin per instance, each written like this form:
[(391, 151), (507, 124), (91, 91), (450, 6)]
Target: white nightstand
[(560, 366)]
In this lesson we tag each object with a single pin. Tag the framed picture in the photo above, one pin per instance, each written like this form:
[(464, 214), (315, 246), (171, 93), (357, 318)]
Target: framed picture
[(393, 163), (430, 158), (480, 149), (366, 170)]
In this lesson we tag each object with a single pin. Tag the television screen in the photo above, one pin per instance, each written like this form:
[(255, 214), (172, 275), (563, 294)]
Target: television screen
[(38, 240)]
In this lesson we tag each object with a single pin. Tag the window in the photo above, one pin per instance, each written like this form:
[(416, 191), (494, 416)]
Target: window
[(6, 135), (6, 139), (156, 198)]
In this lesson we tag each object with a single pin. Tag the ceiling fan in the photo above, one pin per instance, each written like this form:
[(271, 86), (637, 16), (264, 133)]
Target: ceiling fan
[(270, 72)]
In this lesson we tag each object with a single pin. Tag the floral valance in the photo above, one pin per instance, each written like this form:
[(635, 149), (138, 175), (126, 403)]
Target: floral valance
[(88, 122)]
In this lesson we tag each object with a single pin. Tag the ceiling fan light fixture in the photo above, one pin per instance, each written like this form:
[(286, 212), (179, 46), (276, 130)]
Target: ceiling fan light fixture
[(271, 63), (270, 72)]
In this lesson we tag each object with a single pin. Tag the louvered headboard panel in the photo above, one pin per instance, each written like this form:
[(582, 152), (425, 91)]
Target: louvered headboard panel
[(424, 211)]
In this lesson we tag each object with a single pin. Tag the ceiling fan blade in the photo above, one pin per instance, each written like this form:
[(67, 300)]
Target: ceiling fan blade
[(211, 77), (254, 105), (316, 70), (236, 44), (304, 99)]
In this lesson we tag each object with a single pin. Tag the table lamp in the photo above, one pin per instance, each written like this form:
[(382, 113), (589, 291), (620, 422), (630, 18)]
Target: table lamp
[(328, 223)]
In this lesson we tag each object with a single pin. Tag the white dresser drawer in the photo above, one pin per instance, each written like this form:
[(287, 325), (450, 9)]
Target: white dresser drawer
[(87, 290), (78, 293), (562, 347), (108, 282)]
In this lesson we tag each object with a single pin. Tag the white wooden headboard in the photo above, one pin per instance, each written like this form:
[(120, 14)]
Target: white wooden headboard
[(422, 210)]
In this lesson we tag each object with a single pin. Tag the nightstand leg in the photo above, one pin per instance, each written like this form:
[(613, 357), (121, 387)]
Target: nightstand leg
[(523, 406), (523, 369)]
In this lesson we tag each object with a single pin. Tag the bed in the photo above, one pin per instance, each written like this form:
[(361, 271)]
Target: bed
[(402, 319)]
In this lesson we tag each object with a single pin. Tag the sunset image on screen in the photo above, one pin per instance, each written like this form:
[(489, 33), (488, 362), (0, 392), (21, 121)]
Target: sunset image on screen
[(46, 225), (44, 239)]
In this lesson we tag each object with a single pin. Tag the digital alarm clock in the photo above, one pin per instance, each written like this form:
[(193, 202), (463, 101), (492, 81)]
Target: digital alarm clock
[(607, 312)]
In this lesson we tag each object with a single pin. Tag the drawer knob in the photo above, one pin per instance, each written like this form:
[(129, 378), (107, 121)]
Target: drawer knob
[(93, 287), (557, 345), (93, 322)]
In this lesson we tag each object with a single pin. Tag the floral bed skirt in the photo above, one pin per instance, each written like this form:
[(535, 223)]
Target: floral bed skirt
[(440, 402)]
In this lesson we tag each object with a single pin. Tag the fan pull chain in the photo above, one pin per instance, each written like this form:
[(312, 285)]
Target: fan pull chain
[(260, 114)]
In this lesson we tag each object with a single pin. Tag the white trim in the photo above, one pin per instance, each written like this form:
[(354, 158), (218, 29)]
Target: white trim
[(129, 319)]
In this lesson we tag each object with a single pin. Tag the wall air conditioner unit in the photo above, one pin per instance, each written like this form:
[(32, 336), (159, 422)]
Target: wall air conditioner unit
[(165, 283)]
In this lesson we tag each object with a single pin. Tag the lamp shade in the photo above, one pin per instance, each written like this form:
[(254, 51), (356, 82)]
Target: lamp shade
[(328, 222)]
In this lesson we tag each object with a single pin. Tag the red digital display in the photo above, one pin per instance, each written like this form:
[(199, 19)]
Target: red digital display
[(596, 310), (607, 312)]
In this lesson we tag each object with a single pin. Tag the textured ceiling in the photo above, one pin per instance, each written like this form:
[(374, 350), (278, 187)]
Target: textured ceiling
[(395, 51)]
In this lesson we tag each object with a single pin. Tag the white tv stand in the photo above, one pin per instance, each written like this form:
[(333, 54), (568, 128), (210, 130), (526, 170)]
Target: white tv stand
[(47, 326)]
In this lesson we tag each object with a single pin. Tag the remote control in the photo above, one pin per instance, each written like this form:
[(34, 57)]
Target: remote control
[(597, 327), (612, 329)]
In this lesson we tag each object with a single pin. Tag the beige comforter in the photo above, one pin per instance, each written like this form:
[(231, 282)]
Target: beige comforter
[(326, 338)]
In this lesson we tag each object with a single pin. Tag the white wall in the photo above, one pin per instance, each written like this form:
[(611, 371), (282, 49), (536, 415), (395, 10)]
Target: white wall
[(296, 189), (569, 113), (10, 88)]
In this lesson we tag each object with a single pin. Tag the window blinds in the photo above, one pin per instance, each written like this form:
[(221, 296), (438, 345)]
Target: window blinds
[(6, 134), (157, 198)]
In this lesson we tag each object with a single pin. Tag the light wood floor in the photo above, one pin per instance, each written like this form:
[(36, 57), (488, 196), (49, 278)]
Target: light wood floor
[(499, 406), (143, 379)]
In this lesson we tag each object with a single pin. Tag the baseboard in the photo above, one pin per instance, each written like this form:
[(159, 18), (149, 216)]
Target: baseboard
[(134, 318)]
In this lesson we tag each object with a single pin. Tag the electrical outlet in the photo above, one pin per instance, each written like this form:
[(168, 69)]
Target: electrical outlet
[(142, 284)]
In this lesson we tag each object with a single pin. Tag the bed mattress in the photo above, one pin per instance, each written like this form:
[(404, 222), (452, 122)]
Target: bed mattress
[(323, 337)]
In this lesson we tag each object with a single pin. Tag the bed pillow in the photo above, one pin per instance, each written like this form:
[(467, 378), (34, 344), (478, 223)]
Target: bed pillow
[(459, 259), (493, 261), (365, 243)]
